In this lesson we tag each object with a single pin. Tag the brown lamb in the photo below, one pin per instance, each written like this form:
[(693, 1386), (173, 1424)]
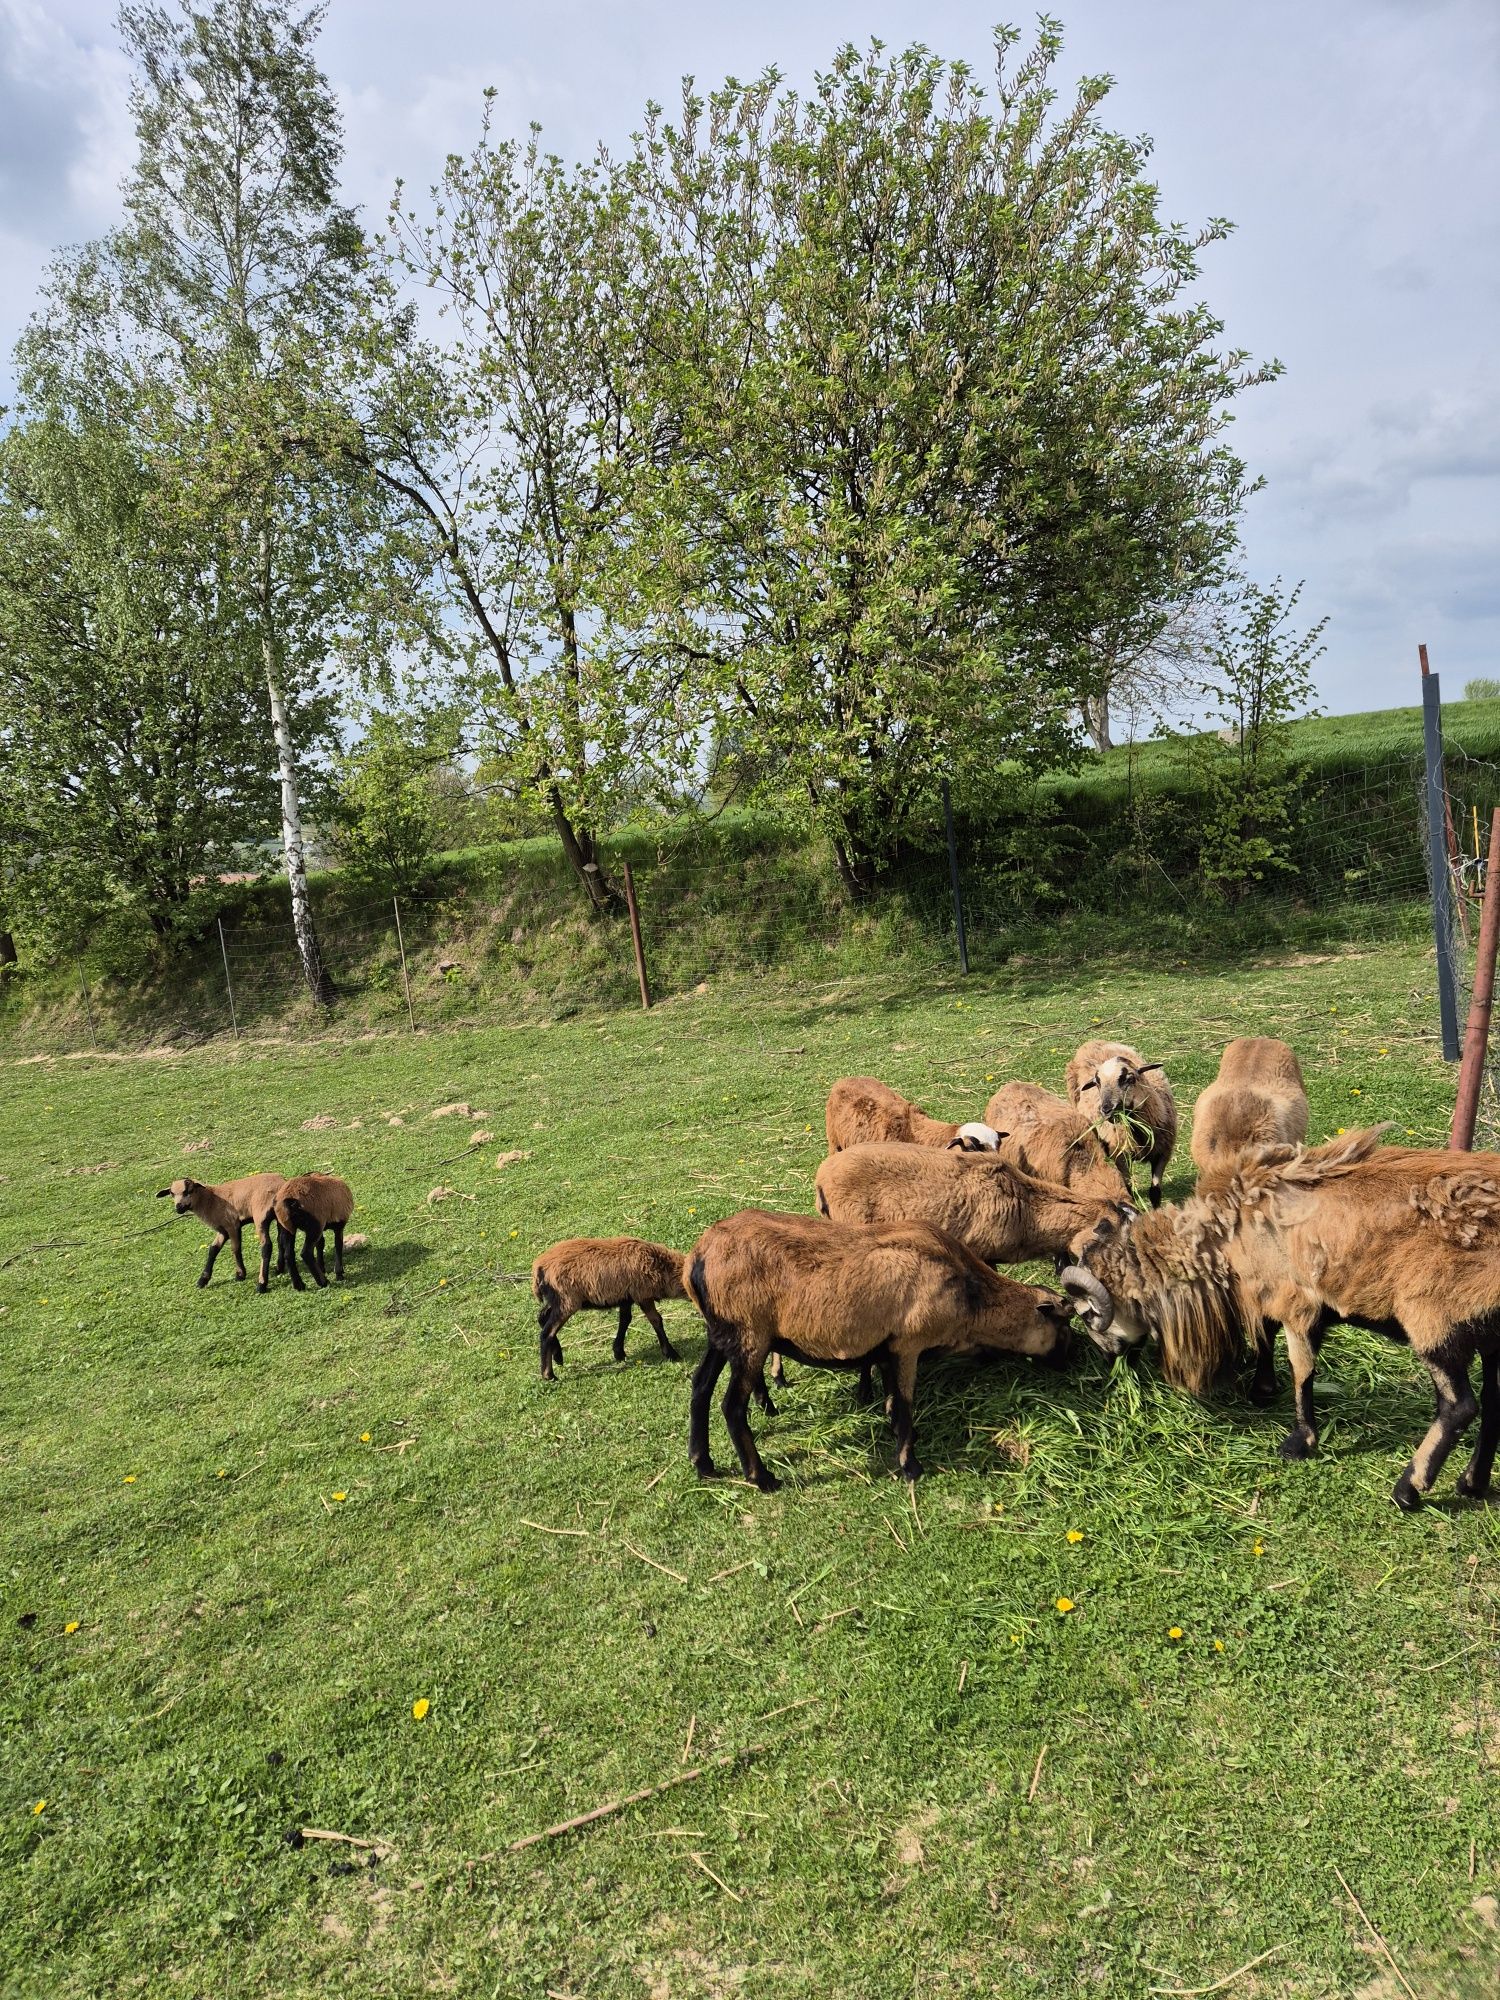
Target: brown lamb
[(1257, 1099), (838, 1297), (1004, 1215), (225, 1210), (1397, 1238), (1049, 1138), (1131, 1101), (597, 1274), (862, 1111), (312, 1204)]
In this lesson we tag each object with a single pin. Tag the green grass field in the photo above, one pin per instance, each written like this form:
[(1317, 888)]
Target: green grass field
[(245, 1535)]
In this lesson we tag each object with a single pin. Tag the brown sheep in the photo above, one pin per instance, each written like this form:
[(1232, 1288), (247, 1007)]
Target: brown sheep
[(225, 1210), (313, 1203), (1050, 1139), (1001, 1213), (596, 1274), (836, 1296), (1397, 1238), (862, 1111), (1258, 1099), (1131, 1101)]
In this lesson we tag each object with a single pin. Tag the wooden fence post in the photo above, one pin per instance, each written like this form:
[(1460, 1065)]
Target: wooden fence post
[(635, 935), (1477, 1035)]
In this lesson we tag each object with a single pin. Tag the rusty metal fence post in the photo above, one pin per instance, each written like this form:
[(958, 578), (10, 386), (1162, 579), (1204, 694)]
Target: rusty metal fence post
[(1477, 1035), (635, 936)]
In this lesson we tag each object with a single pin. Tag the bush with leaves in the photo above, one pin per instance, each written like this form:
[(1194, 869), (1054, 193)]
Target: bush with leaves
[(398, 795)]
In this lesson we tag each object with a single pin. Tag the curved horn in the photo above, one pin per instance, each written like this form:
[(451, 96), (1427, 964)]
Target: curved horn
[(1076, 1279)]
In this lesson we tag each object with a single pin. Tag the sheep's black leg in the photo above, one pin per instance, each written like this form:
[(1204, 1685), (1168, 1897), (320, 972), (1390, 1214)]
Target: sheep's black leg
[(1263, 1383), (338, 1249), (284, 1258), (899, 1373), (619, 1346), (736, 1401), (213, 1250), (762, 1394), (1474, 1480), (1456, 1410), (319, 1250), (312, 1254), (864, 1388), (705, 1375), (239, 1253), (551, 1321), (653, 1320)]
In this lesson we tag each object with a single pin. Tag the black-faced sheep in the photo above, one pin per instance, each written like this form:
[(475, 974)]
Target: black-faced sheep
[(598, 1274), (1054, 1141), (1400, 1239), (839, 1297), (1001, 1213), (1132, 1102), (862, 1111), (1258, 1099), (225, 1209), (311, 1204)]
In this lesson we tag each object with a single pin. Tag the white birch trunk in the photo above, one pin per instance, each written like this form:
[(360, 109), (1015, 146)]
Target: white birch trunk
[(292, 846)]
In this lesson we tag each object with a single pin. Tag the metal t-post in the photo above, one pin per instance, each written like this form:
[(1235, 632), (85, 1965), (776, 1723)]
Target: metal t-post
[(1437, 859), (958, 899)]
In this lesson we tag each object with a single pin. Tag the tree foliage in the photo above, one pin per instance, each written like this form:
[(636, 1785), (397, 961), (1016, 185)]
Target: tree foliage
[(395, 803)]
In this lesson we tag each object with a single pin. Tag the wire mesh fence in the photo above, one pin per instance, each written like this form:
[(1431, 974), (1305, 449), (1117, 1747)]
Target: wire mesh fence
[(495, 952)]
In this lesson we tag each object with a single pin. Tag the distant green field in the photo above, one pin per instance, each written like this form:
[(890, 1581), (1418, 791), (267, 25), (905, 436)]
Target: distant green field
[(244, 1536)]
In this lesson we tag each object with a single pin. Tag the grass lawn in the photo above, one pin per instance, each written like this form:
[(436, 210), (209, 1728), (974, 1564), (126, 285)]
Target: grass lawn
[(277, 1523)]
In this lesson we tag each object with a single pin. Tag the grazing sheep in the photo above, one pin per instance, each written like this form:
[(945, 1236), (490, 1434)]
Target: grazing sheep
[(1001, 1213), (1397, 1238), (1257, 1099), (836, 1296), (225, 1210), (1132, 1101), (596, 1274), (313, 1203), (1052, 1140), (864, 1112)]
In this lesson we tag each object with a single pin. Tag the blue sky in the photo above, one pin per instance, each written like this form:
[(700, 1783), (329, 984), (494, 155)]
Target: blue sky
[(1355, 143)]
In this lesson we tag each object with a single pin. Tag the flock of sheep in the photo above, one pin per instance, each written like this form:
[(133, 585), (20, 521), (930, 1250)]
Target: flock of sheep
[(915, 1213), (309, 1205)]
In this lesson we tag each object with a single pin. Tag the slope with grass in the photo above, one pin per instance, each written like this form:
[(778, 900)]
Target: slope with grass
[(341, 1561)]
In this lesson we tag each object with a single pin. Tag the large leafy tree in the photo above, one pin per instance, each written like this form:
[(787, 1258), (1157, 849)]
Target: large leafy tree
[(131, 750), (512, 443), (231, 290), (940, 406)]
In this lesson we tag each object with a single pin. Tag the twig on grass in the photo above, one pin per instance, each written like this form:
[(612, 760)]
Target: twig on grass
[(687, 1747), (733, 1570), (899, 1543), (787, 1706), (1197, 1992), (1365, 1916), (833, 1617), (656, 1481), (963, 1674), (1036, 1776), (613, 1806), (380, 1847), (542, 1529), (641, 1556), (61, 1243), (694, 1855)]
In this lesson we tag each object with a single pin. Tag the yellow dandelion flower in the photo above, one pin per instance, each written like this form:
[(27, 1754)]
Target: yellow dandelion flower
[(1259, 1549), (222, 1473), (1174, 1631), (1340, 1132), (515, 1232), (1355, 1091), (43, 1302), (40, 1806), (1382, 1052), (420, 1708), (1015, 1638), (364, 1437), (130, 1479), (339, 1496), (1075, 1534), (1065, 1604), (692, 1211), (72, 1626), (1218, 1645), (441, 1283)]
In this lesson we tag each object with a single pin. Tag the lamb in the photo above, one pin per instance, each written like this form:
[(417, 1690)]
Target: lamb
[(596, 1274), (225, 1210), (861, 1111), (1397, 1238), (1258, 1099), (1001, 1213), (1048, 1138), (313, 1203), (841, 1296), (1132, 1101)]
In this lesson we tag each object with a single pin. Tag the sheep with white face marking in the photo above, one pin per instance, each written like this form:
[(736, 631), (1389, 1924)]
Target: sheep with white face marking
[(1004, 1215), (1132, 1102), (225, 1209), (841, 1297), (1052, 1140), (598, 1274), (309, 1205), (1257, 1099), (862, 1111)]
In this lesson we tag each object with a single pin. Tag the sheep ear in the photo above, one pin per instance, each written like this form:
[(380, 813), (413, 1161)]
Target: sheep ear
[(1145, 1066), (957, 1144), (160, 1194), (1092, 1084)]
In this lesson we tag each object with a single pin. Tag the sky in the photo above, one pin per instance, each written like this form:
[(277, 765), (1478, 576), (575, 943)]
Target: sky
[(1355, 144)]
